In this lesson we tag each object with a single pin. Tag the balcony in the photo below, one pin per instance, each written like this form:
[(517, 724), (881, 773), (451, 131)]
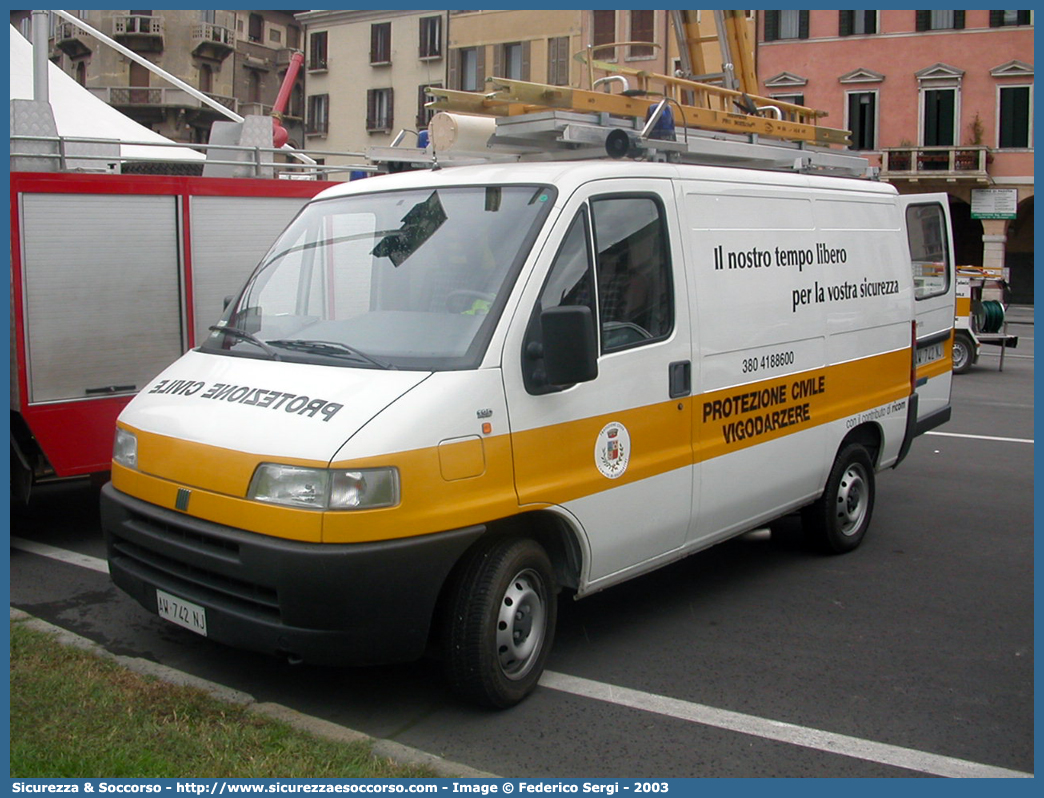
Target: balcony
[(126, 97), (140, 33), (72, 40), (951, 164), (212, 41)]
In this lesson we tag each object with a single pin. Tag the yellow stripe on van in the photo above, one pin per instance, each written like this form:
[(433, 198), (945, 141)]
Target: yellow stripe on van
[(737, 418), (477, 480)]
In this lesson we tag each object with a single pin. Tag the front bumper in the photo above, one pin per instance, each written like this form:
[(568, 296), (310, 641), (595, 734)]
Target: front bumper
[(338, 604)]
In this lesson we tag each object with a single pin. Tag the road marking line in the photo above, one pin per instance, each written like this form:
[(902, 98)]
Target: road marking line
[(981, 437), (839, 744), (71, 557)]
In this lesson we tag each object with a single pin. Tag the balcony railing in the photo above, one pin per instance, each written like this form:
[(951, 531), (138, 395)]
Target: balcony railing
[(212, 41), (72, 39), (935, 162), (141, 33), (158, 96)]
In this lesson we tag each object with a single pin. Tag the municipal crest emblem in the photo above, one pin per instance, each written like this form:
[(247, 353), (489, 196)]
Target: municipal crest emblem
[(613, 450)]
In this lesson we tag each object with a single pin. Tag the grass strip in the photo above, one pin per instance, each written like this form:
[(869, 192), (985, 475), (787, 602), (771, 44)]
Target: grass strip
[(74, 714)]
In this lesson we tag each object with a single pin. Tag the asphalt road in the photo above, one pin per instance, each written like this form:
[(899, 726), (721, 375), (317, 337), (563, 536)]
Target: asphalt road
[(912, 656)]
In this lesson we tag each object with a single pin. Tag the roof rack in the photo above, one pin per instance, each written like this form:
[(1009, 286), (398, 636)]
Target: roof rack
[(548, 135), (518, 120)]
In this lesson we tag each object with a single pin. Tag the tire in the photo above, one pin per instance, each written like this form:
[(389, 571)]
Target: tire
[(963, 353), (838, 521), (501, 607)]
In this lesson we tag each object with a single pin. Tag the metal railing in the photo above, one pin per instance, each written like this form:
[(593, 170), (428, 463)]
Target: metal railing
[(971, 161), (67, 153)]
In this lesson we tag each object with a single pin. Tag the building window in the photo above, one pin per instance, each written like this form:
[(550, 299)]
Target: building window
[(940, 19), (1002, 19), (857, 23), (317, 51), (1014, 117), (319, 114), (380, 43), (424, 115), (603, 32), (379, 116), (512, 61), (275, 35), (431, 37), (558, 61), (862, 119), (256, 29), (940, 112), (793, 99), (468, 68), (641, 31), (786, 24)]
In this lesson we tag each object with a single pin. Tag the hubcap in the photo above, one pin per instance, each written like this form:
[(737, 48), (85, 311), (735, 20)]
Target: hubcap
[(852, 497), (521, 624), (961, 354)]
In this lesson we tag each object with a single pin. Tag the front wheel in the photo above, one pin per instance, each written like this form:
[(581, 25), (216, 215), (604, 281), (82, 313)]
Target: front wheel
[(838, 521), (963, 353), (501, 621)]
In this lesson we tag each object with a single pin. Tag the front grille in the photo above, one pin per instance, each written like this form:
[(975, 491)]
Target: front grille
[(186, 569), (159, 527)]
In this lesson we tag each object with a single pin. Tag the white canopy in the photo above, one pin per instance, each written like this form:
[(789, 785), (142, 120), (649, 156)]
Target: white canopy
[(78, 113)]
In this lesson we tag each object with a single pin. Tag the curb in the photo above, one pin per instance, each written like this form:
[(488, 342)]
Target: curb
[(387, 749)]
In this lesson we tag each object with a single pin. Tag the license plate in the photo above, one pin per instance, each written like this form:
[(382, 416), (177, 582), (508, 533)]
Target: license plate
[(929, 354), (184, 613)]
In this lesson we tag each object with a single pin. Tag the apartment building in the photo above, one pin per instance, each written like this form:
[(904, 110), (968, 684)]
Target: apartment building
[(939, 100), (237, 58), (367, 74)]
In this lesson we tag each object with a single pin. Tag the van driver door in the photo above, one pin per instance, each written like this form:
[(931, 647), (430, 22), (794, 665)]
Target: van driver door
[(613, 453)]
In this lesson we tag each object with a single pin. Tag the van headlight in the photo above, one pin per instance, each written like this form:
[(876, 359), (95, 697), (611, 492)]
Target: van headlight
[(125, 448), (324, 488)]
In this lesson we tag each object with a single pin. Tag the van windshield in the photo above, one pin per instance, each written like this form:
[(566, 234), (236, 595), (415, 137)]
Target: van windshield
[(401, 279)]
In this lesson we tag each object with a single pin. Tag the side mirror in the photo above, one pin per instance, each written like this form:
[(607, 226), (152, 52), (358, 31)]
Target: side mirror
[(570, 346)]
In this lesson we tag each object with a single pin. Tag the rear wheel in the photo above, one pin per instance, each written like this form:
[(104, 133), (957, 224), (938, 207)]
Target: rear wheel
[(501, 623), (838, 521), (963, 353)]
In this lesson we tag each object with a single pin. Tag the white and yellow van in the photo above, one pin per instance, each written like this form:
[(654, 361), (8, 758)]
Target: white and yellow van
[(445, 396)]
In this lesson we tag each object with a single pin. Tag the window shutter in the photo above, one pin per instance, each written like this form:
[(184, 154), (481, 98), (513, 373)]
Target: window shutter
[(1023, 18), (958, 20), (373, 43), (480, 68), (802, 24), (996, 19), (526, 52), (923, 20), (844, 23), (453, 76), (498, 60), (370, 109), (390, 124), (771, 26), (871, 21)]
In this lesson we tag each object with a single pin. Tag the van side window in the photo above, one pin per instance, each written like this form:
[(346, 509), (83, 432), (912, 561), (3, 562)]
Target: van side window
[(570, 282), (929, 250), (633, 268)]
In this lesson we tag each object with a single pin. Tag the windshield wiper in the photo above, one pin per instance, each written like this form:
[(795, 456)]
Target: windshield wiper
[(332, 349), (235, 332)]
